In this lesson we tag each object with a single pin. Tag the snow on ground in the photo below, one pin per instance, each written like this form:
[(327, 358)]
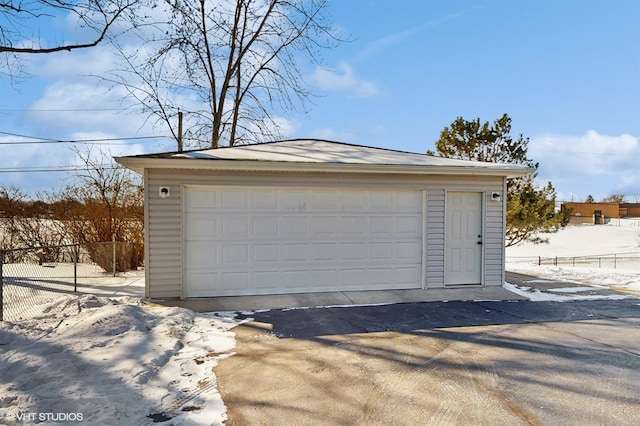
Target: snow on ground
[(559, 294), (584, 240), (30, 288), (621, 238), (99, 359), (113, 361)]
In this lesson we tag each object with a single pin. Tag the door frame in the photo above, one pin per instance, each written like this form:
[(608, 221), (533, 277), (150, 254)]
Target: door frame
[(483, 197)]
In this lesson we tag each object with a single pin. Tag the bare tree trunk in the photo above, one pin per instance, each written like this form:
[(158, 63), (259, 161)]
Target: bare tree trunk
[(232, 67)]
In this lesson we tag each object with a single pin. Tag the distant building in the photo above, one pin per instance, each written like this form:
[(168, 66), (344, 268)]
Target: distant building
[(599, 213), (629, 209)]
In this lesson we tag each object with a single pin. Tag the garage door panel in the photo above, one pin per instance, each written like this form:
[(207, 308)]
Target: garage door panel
[(234, 199), (408, 224), (265, 281), (354, 225), (354, 278), (293, 200), (408, 250), (380, 251), (266, 253), (323, 200), (381, 225), (327, 251), (381, 201), (200, 254), (202, 226), (353, 251), (266, 200), (234, 281), (294, 280), (201, 199), (234, 226), (352, 201), (265, 226), (323, 278), (300, 240), (293, 226), (202, 284), (294, 253), (409, 200), (408, 275), (381, 276), (235, 253), (323, 226)]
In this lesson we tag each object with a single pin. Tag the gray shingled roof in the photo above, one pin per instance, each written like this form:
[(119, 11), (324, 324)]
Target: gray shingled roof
[(314, 152)]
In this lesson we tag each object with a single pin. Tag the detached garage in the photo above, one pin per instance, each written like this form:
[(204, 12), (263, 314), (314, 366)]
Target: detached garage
[(304, 216)]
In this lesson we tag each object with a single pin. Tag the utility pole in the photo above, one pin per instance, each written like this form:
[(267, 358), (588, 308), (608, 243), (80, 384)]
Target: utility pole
[(180, 131)]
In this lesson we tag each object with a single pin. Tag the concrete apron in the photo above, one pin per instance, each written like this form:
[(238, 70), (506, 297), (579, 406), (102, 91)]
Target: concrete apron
[(459, 362), (343, 298), (386, 365)]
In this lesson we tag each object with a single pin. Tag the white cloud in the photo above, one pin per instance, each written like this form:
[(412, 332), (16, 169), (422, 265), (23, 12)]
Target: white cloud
[(591, 163), (27, 157), (98, 60), (68, 108), (344, 78), (331, 134), (286, 126)]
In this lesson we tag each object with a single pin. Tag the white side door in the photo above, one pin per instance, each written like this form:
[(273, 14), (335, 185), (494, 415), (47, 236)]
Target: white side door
[(463, 244)]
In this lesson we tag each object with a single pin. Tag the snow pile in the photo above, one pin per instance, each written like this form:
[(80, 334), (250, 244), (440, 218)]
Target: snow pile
[(564, 294), (113, 361), (29, 289), (584, 240)]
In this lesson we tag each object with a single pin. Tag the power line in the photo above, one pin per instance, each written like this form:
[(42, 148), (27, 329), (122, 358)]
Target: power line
[(58, 110), (42, 169), (88, 142), (40, 140)]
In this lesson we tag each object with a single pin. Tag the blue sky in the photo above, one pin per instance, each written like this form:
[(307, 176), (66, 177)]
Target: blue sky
[(566, 71)]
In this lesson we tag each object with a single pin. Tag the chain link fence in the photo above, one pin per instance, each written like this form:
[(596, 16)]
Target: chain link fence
[(31, 279), (612, 261)]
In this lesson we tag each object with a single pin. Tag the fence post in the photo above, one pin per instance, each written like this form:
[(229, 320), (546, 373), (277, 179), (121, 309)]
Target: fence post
[(74, 253), (615, 261), (539, 260), (113, 243), (1, 286)]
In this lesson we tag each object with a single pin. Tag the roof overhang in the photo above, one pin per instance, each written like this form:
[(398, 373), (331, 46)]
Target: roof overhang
[(139, 164)]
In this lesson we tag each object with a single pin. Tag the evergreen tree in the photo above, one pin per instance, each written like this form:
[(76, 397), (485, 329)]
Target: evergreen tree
[(530, 209)]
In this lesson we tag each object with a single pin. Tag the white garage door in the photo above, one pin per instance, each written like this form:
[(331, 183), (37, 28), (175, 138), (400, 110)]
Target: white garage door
[(248, 241)]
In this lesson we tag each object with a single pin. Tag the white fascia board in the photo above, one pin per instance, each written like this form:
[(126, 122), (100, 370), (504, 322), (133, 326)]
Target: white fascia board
[(140, 164)]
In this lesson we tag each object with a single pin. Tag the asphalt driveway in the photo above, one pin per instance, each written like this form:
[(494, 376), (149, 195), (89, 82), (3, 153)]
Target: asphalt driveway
[(461, 362)]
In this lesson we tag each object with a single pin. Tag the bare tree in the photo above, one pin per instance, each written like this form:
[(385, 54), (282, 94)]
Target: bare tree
[(614, 198), (20, 18), (230, 66), (26, 222), (105, 203)]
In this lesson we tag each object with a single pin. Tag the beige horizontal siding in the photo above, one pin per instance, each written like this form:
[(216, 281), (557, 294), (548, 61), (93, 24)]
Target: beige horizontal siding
[(435, 237), (165, 237), (494, 236)]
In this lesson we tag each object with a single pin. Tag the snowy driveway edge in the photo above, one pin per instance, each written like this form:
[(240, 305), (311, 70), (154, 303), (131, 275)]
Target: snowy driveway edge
[(113, 361)]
